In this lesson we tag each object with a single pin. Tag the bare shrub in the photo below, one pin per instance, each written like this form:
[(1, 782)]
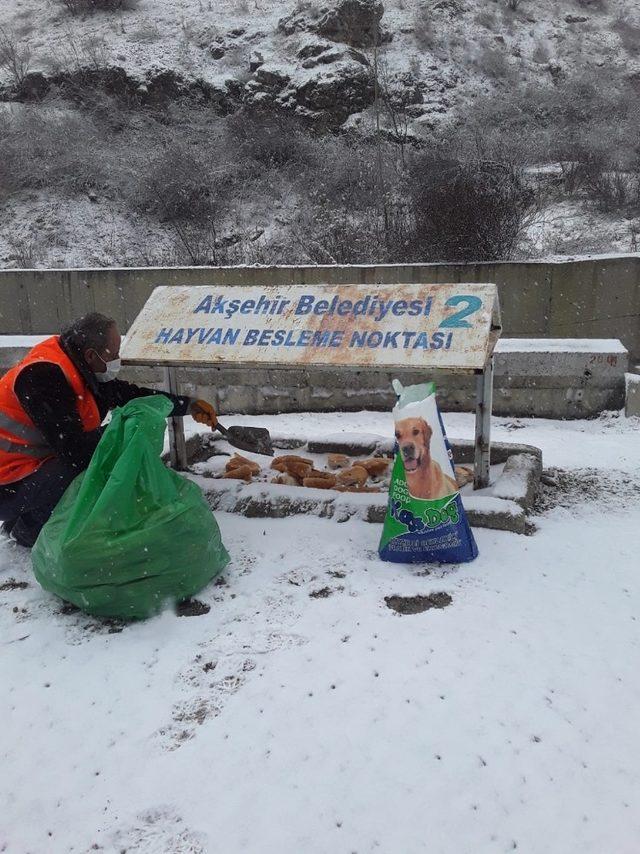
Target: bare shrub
[(53, 149), (572, 176), (349, 203), (28, 250), (513, 5), (591, 112), (329, 240), (541, 53), (394, 95), (268, 139), (85, 7), (471, 211), (203, 246), (610, 188), (486, 18), (88, 54), (147, 33), (597, 122), (337, 234), (493, 63), (424, 30), (177, 185), (343, 175), (15, 57), (588, 123), (438, 210)]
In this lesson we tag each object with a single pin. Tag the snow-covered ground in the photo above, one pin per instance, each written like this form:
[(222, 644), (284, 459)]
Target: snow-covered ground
[(301, 714), (571, 227)]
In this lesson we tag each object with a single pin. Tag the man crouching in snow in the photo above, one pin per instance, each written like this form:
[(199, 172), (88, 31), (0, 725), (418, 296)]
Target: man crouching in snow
[(51, 407)]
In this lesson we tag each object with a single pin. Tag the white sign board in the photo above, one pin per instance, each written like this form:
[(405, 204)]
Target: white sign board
[(452, 327)]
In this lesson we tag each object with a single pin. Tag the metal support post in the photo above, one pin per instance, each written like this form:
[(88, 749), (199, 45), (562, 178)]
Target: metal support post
[(177, 444), (484, 403)]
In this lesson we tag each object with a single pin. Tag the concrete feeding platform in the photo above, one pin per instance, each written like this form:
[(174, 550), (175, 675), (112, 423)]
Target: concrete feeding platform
[(504, 505)]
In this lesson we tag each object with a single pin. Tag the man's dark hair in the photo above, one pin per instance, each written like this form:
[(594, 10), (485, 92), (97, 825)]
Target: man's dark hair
[(88, 332)]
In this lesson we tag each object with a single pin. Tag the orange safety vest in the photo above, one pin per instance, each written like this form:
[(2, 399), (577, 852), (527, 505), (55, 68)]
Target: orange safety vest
[(23, 448)]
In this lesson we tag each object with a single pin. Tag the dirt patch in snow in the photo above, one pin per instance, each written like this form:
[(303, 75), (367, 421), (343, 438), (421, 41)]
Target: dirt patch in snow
[(561, 488), (69, 608), (84, 625), (12, 584), (417, 604), (322, 593), (192, 608)]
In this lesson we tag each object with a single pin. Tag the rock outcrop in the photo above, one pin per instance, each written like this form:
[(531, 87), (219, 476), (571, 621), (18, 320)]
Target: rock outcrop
[(336, 92), (354, 22)]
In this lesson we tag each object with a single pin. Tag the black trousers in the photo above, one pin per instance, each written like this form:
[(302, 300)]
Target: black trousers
[(26, 504)]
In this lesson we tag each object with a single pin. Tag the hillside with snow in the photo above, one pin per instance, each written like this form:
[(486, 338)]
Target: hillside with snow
[(242, 108)]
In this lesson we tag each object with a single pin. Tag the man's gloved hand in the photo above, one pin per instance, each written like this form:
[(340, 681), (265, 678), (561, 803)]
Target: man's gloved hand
[(204, 413)]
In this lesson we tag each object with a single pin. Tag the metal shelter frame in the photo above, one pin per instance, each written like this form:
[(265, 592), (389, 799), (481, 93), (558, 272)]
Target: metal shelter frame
[(479, 363), (483, 408)]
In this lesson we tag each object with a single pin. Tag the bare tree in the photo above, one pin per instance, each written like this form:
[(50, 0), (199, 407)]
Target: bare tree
[(394, 105), (377, 108), (15, 57)]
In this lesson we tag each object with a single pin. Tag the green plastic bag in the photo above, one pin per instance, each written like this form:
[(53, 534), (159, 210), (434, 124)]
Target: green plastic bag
[(129, 534)]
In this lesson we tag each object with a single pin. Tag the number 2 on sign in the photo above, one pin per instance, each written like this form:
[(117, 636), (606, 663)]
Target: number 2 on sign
[(457, 321)]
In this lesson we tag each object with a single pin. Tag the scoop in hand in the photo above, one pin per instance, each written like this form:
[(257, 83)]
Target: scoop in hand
[(256, 440)]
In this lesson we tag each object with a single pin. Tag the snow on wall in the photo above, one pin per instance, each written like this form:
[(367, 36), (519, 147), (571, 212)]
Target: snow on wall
[(560, 345)]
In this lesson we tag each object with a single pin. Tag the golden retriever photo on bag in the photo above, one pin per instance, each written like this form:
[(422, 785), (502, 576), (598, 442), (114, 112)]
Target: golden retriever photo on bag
[(425, 478)]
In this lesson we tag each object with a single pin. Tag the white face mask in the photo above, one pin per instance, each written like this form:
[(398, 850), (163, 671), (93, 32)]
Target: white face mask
[(112, 371)]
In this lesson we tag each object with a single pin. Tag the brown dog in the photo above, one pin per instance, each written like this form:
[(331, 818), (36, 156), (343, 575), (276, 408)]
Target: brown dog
[(425, 478)]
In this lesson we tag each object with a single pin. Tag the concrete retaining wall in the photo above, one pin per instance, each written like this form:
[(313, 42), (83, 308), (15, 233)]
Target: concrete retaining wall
[(573, 380), (597, 298)]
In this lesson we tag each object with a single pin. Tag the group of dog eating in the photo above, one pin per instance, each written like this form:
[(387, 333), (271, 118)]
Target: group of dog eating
[(425, 477)]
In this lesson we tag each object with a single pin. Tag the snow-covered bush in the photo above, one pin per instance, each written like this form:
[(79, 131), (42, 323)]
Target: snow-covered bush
[(54, 150)]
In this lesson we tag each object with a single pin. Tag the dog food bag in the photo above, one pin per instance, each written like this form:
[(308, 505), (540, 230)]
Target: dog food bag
[(425, 519)]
